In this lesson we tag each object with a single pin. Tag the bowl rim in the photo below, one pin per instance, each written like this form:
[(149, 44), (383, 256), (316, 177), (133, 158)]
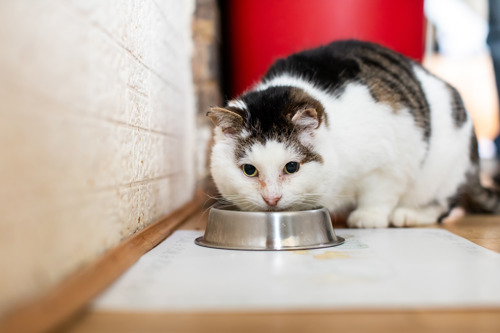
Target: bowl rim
[(216, 208)]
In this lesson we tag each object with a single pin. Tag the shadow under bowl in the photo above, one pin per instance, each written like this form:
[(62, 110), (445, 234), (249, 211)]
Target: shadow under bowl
[(269, 231)]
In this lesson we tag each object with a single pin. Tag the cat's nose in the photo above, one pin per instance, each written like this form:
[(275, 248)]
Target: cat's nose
[(271, 201)]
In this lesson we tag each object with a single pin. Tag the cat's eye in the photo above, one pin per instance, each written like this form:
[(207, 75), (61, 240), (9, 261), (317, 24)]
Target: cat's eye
[(249, 170), (291, 167)]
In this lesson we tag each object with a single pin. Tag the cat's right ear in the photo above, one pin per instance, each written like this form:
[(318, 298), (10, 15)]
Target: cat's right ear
[(229, 121), (306, 119)]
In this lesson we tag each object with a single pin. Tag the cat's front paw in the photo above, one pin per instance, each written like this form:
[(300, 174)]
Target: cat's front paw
[(409, 217), (367, 219)]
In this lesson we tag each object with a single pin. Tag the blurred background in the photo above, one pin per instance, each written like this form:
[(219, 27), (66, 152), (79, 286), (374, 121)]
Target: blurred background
[(447, 36), (102, 106)]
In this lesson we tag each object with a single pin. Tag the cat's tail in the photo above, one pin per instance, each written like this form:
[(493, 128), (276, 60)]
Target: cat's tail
[(476, 198)]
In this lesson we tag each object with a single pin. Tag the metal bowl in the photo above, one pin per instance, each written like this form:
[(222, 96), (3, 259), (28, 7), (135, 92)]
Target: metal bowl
[(297, 230)]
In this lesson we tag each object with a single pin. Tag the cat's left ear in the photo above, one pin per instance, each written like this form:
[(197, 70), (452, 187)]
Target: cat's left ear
[(229, 121), (306, 119)]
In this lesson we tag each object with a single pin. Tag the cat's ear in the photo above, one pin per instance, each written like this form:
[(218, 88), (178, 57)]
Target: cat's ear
[(306, 119), (229, 121)]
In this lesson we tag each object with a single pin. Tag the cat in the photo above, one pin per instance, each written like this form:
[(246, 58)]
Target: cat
[(351, 123)]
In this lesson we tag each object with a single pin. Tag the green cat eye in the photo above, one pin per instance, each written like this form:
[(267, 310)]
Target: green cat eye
[(249, 170), (291, 167)]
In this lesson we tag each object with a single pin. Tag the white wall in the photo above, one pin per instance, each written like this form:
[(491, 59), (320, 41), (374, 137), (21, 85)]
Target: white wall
[(96, 128)]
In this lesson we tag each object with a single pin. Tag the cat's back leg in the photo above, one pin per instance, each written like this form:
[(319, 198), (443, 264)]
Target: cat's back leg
[(451, 156)]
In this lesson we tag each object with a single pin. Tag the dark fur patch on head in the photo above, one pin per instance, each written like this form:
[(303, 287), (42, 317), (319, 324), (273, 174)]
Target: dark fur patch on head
[(304, 101), (269, 117)]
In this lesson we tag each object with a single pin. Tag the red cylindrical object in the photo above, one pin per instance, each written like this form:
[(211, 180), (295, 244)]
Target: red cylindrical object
[(260, 31)]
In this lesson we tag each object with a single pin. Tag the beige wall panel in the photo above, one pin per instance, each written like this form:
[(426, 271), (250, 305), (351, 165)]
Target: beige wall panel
[(96, 131)]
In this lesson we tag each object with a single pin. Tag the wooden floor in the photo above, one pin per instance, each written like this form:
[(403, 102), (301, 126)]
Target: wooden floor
[(482, 230)]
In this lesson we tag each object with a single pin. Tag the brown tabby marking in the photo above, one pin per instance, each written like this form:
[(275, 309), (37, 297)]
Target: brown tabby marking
[(391, 80), (458, 109)]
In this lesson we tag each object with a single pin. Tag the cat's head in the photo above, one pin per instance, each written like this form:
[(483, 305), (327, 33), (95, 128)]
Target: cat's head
[(264, 157)]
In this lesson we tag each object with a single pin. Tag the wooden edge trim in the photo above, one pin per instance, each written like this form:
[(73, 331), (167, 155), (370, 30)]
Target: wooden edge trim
[(295, 322), (74, 292)]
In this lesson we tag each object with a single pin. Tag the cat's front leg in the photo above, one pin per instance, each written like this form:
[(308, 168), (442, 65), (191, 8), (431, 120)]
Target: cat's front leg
[(377, 197), (411, 216)]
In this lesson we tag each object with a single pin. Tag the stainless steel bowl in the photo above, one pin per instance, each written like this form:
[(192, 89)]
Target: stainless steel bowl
[(297, 230)]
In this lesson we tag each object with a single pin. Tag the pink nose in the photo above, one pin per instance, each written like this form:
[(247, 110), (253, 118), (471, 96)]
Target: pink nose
[(271, 201)]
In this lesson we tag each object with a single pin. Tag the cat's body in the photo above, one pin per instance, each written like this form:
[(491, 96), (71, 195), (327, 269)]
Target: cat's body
[(350, 123)]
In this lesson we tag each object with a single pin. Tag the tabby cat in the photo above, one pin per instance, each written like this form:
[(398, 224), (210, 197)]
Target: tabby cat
[(355, 124)]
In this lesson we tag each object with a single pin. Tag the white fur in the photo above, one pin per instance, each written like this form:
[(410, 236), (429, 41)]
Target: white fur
[(269, 159), (244, 133), (238, 103), (373, 158), (447, 160)]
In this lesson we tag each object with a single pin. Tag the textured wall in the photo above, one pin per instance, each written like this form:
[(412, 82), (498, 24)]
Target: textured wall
[(96, 131)]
